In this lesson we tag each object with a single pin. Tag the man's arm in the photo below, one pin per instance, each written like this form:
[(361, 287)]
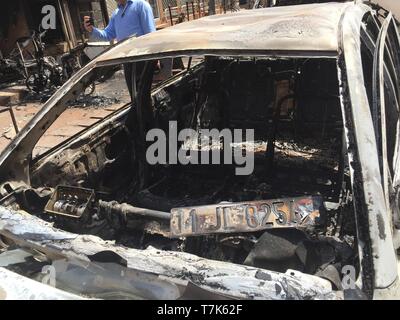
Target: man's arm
[(147, 18), (107, 34)]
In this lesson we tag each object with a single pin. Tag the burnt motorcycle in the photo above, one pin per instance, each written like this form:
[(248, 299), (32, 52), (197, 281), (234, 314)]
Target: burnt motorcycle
[(48, 73)]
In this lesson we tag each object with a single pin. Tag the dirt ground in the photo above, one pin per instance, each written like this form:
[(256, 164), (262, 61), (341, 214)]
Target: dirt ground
[(108, 97)]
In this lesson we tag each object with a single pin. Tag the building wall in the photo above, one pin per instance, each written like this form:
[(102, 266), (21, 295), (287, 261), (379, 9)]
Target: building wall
[(392, 5), (111, 6), (17, 28)]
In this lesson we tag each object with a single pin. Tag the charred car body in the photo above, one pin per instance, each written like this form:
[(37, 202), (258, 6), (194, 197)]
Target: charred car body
[(316, 219)]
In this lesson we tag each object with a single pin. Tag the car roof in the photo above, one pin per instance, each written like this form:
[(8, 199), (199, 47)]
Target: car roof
[(299, 28)]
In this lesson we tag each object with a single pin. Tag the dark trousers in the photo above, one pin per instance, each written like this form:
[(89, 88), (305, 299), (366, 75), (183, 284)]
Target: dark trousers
[(128, 68)]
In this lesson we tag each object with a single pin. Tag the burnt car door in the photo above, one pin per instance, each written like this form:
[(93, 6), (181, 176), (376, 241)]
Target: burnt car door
[(385, 111), (370, 145), (381, 62)]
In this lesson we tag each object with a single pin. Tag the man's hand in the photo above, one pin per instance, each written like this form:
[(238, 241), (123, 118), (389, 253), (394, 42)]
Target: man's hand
[(87, 24)]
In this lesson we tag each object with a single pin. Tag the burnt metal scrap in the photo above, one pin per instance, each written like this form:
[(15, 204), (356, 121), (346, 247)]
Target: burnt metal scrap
[(300, 212), (179, 268)]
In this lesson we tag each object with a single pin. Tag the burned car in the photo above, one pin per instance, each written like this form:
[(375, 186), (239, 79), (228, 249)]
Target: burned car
[(316, 218)]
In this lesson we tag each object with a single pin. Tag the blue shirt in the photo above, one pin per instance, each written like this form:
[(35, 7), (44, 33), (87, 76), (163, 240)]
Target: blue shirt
[(135, 18)]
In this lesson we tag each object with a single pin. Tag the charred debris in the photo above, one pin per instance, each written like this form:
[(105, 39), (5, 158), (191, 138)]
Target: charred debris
[(294, 211)]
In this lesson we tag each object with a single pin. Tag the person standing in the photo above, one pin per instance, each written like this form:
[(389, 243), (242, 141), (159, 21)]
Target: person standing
[(131, 18)]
